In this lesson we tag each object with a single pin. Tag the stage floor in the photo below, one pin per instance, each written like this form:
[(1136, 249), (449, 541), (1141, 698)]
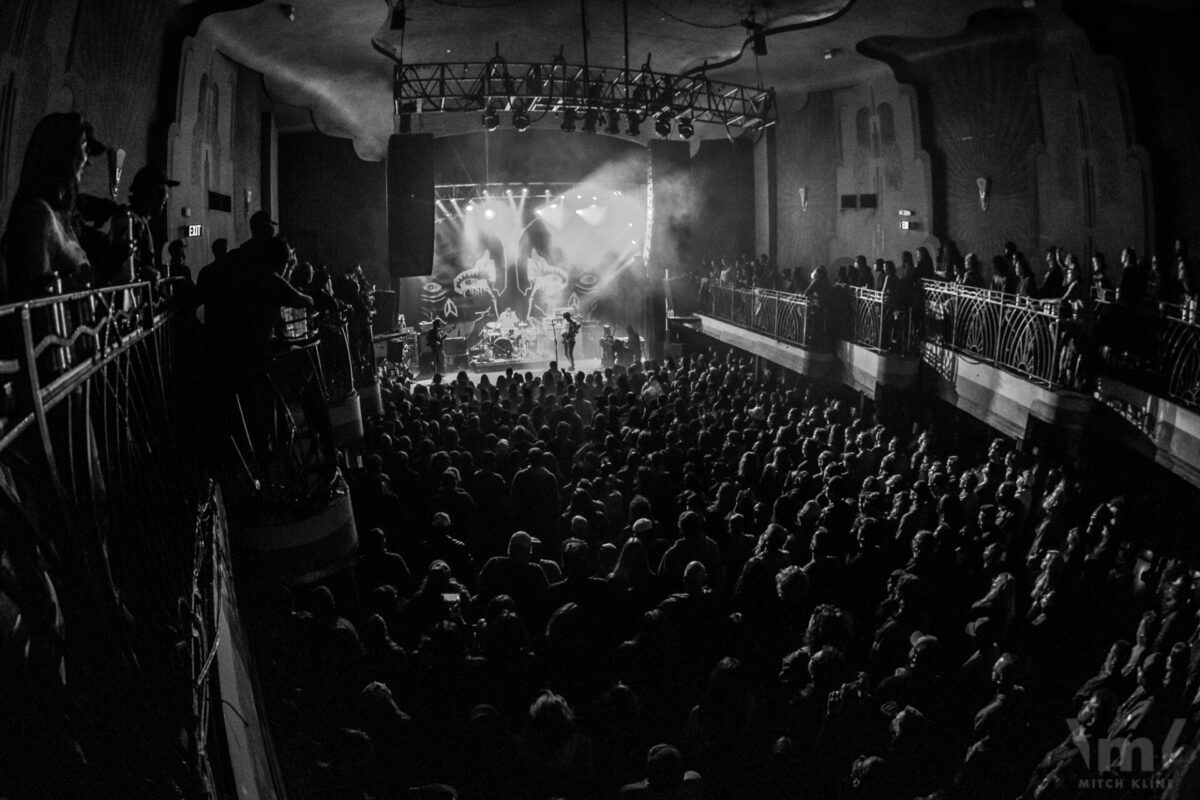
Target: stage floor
[(495, 369)]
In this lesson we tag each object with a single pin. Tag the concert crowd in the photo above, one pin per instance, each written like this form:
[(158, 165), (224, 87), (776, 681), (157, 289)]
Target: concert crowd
[(695, 580)]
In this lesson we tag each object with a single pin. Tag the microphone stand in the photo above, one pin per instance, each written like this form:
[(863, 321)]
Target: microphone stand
[(554, 329)]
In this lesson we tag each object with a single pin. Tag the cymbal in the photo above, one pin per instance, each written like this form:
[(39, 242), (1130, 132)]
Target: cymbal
[(493, 325)]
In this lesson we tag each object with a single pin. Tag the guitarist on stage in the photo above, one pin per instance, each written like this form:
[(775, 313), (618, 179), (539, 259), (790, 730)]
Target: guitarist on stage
[(434, 340), (569, 337)]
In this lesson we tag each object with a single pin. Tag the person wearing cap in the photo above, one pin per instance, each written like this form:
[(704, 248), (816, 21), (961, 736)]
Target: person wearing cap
[(516, 575), (262, 227), (133, 232), (40, 244)]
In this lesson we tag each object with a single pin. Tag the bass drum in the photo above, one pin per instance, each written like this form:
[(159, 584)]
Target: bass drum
[(502, 347)]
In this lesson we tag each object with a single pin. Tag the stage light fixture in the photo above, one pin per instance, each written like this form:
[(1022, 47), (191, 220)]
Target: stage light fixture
[(569, 117), (613, 123), (589, 120), (520, 117), (489, 214), (686, 129), (491, 117), (662, 125), (634, 126)]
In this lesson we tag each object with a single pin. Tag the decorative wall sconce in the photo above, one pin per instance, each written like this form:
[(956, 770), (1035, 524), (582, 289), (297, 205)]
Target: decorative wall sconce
[(804, 198), (116, 168), (985, 185)]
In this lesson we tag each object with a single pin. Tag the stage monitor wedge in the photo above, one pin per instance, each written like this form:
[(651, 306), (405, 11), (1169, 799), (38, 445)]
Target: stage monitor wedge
[(410, 205)]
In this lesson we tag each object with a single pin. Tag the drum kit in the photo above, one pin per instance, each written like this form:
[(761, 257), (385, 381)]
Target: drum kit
[(501, 343)]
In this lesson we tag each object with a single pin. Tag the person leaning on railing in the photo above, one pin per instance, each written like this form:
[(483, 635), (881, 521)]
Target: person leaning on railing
[(1187, 287), (1027, 285), (1078, 348), (40, 246)]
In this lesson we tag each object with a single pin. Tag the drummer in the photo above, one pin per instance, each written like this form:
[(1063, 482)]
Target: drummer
[(508, 319)]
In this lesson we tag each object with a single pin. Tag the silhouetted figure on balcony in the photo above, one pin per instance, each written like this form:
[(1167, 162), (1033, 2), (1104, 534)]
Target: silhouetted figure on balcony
[(1052, 281), (1131, 286), (1003, 278), (1188, 293), (819, 286), (924, 265), (1076, 360), (133, 232), (949, 261), (1026, 281), (860, 273), (972, 278), (41, 241)]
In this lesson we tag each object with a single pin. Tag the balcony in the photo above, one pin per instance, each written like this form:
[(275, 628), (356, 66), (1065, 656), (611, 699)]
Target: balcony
[(111, 591), (1148, 390), (1131, 374), (856, 336), (117, 583), (1006, 360)]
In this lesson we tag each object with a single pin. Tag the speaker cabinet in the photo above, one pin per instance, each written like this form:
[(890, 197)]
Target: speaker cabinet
[(385, 311), (410, 204)]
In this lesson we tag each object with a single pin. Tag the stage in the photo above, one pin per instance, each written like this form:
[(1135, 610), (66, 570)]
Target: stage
[(494, 369)]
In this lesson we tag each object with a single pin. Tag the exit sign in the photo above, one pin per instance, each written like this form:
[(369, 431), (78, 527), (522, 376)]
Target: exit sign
[(194, 230)]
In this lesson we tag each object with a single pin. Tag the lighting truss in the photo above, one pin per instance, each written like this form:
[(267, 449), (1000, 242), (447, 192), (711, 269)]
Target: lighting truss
[(475, 191), (553, 87)]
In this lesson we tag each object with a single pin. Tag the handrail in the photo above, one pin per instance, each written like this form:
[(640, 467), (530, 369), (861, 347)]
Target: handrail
[(867, 317), (1021, 335), (1159, 353), (785, 317), (100, 470)]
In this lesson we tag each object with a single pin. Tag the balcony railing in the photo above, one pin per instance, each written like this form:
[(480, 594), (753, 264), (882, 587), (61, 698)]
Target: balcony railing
[(1016, 334), (790, 318), (99, 484), (863, 316), (1158, 352), (885, 322)]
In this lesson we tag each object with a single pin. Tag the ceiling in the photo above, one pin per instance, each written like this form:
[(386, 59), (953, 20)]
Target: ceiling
[(323, 71)]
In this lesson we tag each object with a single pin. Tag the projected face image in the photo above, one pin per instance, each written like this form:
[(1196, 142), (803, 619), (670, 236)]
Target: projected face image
[(546, 282), (478, 283), (477, 280), (581, 290), (435, 301)]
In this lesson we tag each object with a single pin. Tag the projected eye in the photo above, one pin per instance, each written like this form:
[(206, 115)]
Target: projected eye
[(587, 279), (433, 287)]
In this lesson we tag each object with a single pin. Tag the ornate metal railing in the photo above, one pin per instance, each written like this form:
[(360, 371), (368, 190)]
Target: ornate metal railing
[(863, 316), (1156, 352), (885, 322), (1017, 334), (99, 482), (790, 318)]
